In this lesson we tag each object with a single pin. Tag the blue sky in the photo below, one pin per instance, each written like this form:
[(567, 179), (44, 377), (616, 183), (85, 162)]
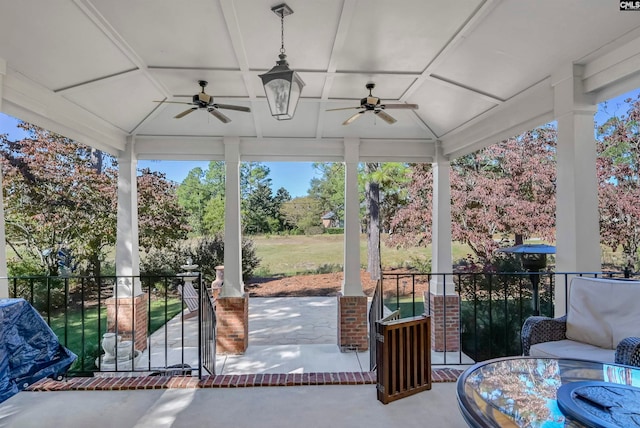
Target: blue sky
[(293, 176)]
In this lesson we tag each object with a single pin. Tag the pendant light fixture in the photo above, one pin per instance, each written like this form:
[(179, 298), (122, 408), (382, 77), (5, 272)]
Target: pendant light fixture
[(282, 85)]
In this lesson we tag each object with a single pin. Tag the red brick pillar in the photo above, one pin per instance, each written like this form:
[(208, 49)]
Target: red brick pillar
[(353, 333), (232, 315), (131, 316), (445, 321)]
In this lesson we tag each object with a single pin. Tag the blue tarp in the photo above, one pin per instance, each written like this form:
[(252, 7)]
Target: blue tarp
[(29, 349)]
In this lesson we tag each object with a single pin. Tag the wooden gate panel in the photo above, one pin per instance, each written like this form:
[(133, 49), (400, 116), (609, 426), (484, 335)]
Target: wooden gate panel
[(403, 349)]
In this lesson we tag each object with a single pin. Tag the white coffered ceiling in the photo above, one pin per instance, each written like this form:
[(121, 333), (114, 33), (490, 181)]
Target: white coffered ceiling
[(480, 70)]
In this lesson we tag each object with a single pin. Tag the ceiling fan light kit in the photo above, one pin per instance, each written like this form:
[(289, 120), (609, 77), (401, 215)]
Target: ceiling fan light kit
[(282, 86)]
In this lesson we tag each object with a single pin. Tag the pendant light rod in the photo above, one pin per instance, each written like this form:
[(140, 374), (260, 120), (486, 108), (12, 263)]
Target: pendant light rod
[(282, 10)]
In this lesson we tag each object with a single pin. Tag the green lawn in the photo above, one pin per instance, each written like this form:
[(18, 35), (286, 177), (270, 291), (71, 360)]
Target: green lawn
[(406, 305), (76, 332), (292, 255)]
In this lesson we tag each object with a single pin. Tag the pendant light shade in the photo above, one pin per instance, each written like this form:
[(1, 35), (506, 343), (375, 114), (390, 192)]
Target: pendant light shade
[(282, 86)]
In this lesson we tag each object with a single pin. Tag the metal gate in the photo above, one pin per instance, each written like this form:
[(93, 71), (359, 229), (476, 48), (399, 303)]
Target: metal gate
[(403, 353)]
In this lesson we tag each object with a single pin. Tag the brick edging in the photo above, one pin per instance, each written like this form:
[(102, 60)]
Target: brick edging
[(221, 381)]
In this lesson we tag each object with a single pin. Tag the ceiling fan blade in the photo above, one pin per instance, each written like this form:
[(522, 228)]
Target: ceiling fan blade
[(354, 117), (184, 113), (343, 108), (400, 106), (219, 116), (232, 107), (387, 118), (172, 102)]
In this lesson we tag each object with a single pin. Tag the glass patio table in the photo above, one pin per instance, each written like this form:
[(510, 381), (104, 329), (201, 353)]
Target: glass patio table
[(549, 393)]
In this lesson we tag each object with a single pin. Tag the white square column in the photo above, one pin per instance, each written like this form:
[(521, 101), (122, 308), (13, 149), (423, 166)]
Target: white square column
[(4, 282), (441, 258), (127, 246), (233, 285), (351, 284), (577, 215)]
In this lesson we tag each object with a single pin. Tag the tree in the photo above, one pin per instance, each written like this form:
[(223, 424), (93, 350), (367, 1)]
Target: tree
[(372, 198), (508, 188), (303, 214), (161, 220), (328, 189), (213, 220), (56, 200), (619, 187), (192, 197), (202, 195), (383, 195)]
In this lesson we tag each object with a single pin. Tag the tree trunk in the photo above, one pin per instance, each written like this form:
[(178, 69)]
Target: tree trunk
[(96, 160), (372, 196), (519, 239)]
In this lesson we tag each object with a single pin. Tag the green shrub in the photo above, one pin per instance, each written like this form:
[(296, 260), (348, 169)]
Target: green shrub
[(328, 268), (25, 267), (421, 264), (208, 252), (161, 262), (334, 230), (314, 230)]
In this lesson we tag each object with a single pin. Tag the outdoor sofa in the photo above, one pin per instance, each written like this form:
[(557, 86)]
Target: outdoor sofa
[(602, 324)]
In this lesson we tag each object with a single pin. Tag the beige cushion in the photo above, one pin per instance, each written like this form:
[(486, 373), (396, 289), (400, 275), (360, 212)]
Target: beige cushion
[(572, 349), (602, 312)]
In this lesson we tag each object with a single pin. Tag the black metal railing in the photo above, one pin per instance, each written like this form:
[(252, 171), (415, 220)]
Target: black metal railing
[(207, 332), (81, 309), (492, 307), (376, 313)]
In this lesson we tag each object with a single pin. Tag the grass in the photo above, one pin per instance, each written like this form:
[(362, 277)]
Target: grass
[(76, 332), (295, 255), (406, 305)]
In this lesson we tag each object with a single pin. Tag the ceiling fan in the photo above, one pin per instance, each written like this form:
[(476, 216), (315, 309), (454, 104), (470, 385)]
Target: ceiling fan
[(203, 100), (372, 103)]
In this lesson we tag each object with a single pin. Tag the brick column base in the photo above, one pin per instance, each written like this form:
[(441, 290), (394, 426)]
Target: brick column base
[(353, 332), (445, 321), (132, 318), (232, 315)]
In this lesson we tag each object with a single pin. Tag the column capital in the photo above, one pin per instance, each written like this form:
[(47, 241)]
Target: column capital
[(128, 154), (231, 149), (352, 150), (569, 94), (440, 158)]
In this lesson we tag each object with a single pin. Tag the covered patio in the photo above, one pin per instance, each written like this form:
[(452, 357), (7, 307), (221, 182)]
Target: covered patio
[(479, 70)]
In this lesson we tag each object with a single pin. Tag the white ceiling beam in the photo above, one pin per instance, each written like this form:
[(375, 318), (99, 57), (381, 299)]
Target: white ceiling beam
[(237, 43), (99, 81), (344, 24), (101, 22), (615, 66), (283, 149)]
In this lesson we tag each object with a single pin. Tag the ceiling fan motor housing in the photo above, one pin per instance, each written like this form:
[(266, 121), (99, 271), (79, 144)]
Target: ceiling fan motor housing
[(370, 102)]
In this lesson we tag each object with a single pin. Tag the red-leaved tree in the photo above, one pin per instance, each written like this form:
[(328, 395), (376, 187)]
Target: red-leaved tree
[(618, 176), (505, 189)]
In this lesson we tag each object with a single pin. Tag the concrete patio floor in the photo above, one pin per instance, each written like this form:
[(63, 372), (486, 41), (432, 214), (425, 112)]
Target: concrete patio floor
[(301, 406), (286, 335)]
